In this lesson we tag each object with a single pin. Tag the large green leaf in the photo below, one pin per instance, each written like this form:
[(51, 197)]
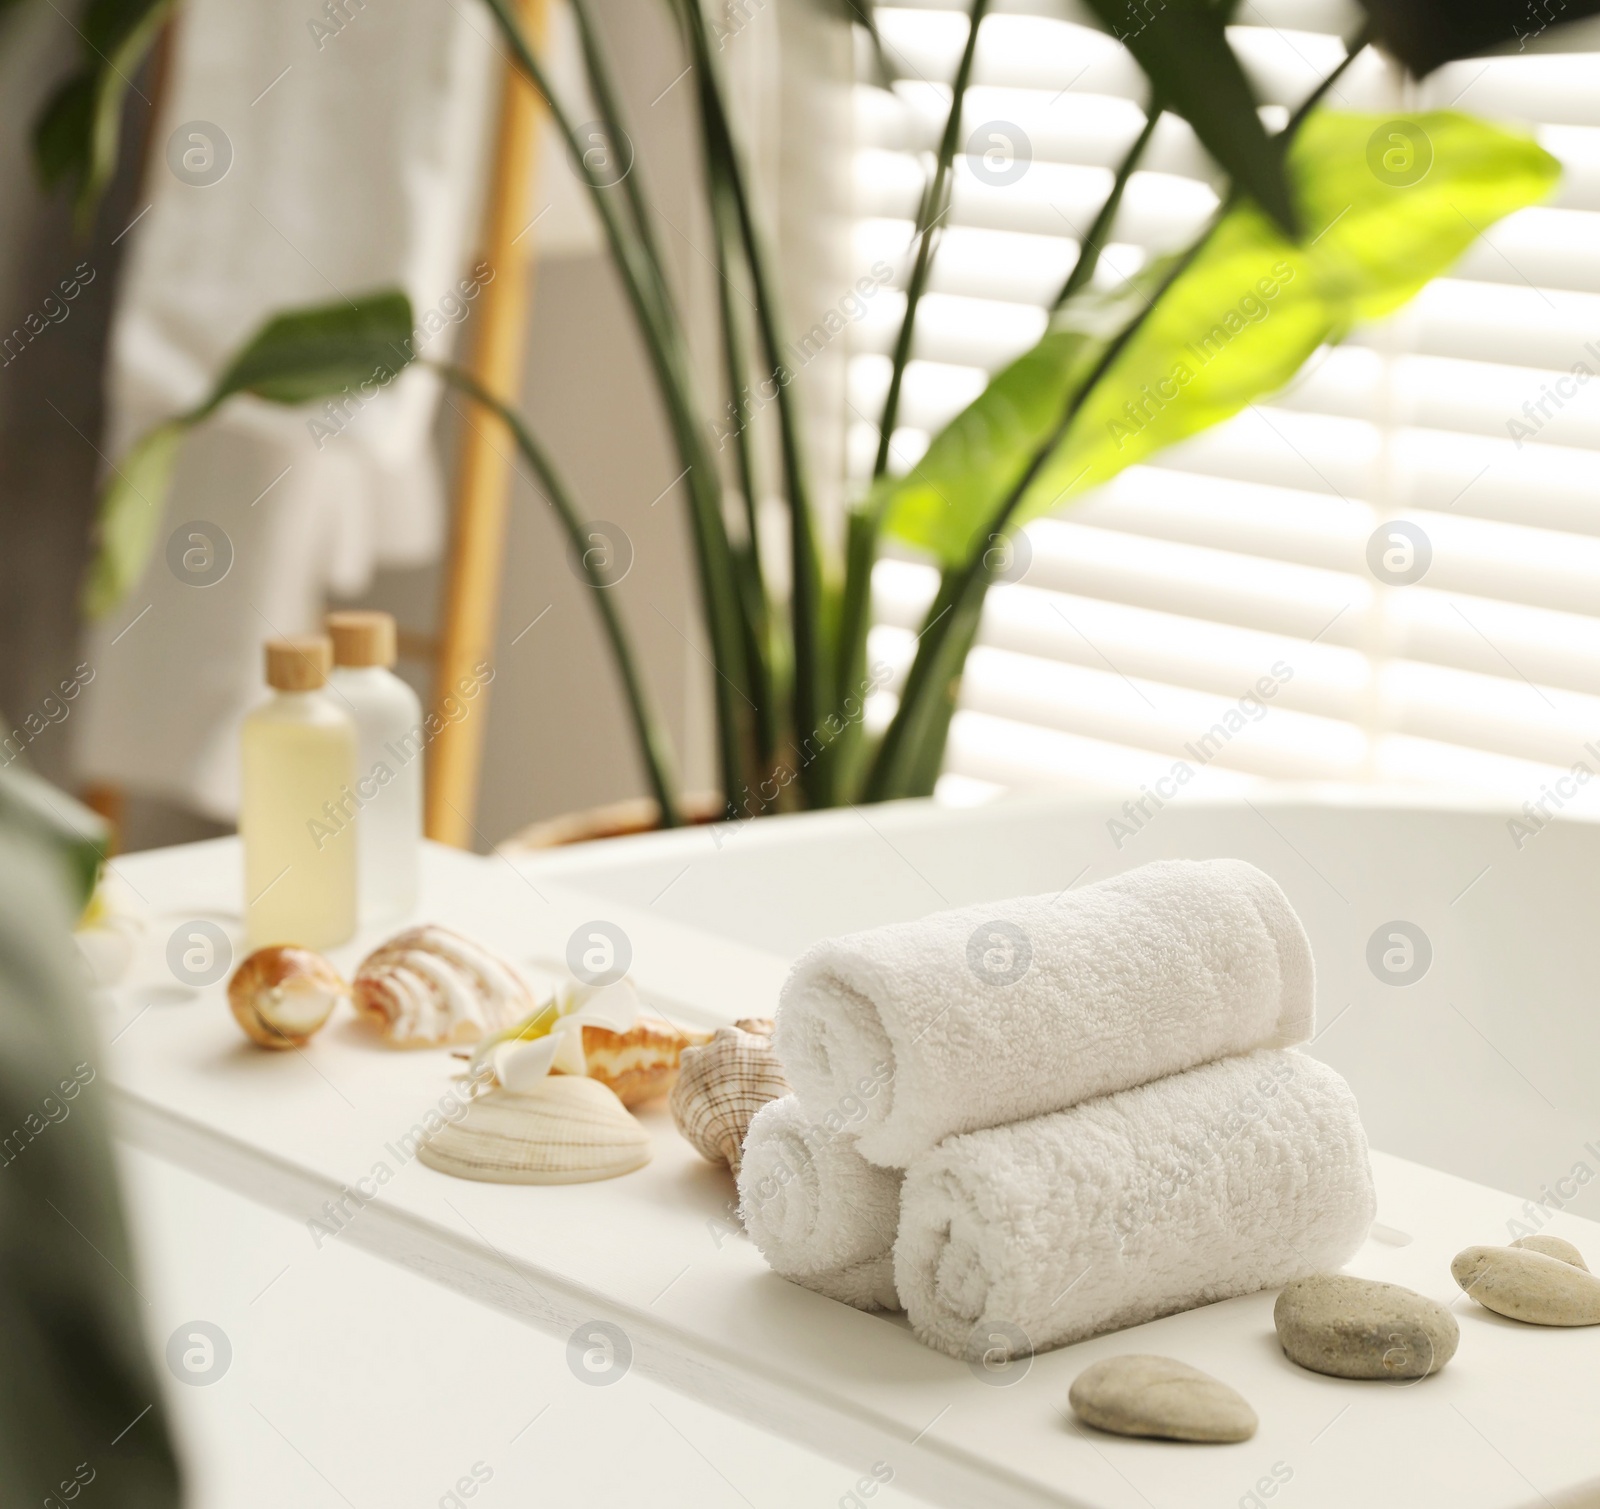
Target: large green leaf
[(78, 133), (1183, 48), (306, 354), (349, 349), (79, 837), (64, 131), (131, 510), (75, 1371), (1237, 323), (1425, 33), (984, 448)]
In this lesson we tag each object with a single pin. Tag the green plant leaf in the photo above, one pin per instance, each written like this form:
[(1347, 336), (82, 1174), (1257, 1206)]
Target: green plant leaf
[(30, 803), (941, 501), (1423, 34), (306, 354), (78, 133), (352, 346), (63, 131), (131, 510), (1183, 49), (1236, 324)]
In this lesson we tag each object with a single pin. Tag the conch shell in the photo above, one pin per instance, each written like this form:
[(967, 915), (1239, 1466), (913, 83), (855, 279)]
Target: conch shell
[(721, 1087), (564, 1131), (429, 985), (594, 1031), (642, 1062)]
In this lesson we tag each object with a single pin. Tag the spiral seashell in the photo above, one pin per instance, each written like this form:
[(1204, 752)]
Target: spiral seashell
[(566, 1130), (721, 1086), (429, 985)]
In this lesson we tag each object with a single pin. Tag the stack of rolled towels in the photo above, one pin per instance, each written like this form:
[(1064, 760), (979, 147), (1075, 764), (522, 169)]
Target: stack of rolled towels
[(1063, 1114)]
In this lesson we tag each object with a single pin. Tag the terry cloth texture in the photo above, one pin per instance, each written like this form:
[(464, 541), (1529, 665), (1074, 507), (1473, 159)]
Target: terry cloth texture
[(997, 1013), (820, 1213), (1224, 1180)]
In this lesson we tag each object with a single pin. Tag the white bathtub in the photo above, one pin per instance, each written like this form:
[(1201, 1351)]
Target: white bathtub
[(1487, 1066), (1482, 1066)]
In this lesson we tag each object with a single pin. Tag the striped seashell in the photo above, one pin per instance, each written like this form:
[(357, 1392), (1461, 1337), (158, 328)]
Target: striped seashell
[(429, 985), (566, 1130), (721, 1087)]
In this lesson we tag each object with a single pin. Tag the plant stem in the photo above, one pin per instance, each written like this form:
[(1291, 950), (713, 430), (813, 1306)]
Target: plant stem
[(758, 613), (669, 358), (734, 343), (933, 729), (640, 282), (865, 522), (810, 693), (654, 749), (1357, 45), (865, 14), (863, 526), (935, 202), (605, 96), (1094, 243)]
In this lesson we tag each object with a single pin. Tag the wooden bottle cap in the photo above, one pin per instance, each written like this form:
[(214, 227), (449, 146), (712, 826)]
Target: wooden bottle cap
[(298, 665), (362, 638)]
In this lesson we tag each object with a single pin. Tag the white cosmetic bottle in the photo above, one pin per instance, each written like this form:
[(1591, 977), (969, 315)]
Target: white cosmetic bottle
[(388, 784), (298, 754)]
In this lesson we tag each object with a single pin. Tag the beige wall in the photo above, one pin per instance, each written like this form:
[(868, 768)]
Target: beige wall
[(558, 739)]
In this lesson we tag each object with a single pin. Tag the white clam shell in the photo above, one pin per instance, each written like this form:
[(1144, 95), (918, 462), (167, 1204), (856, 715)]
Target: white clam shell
[(563, 1130)]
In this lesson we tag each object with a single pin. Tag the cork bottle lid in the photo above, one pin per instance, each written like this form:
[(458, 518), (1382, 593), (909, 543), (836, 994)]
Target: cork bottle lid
[(362, 638), (298, 665)]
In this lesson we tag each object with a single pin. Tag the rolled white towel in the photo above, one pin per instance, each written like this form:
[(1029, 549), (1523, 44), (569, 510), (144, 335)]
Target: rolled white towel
[(820, 1213), (1223, 1180), (992, 1014)]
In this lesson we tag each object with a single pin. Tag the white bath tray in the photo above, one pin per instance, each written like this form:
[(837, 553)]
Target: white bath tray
[(1510, 1422)]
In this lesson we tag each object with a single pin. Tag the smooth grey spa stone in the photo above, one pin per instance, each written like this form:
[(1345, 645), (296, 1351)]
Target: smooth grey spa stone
[(1156, 1396), (1530, 1286), (1360, 1328), (1555, 1247)]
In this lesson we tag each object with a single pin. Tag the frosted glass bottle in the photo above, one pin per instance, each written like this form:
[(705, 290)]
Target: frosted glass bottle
[(388, 785), (298, 754)]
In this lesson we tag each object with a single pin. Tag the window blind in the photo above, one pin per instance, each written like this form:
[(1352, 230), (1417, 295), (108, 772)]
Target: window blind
[(1154, 611)]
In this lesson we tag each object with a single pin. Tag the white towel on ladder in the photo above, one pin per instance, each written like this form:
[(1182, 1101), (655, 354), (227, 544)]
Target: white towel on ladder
[(357, 135)]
